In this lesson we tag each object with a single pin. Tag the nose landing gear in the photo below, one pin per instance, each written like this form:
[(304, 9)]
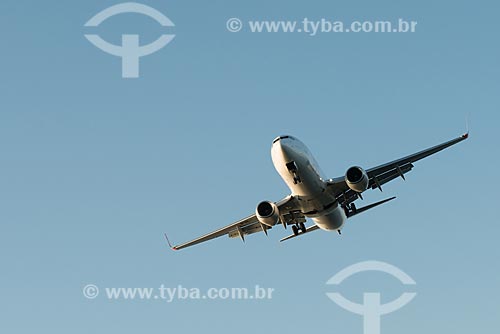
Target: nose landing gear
[(293, 169)]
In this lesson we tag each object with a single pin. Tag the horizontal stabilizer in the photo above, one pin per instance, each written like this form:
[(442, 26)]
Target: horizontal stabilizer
[(309, 229), (368, 207)]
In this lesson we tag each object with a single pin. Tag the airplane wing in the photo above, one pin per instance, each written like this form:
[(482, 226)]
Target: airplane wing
[(384, 173), (249, 225)]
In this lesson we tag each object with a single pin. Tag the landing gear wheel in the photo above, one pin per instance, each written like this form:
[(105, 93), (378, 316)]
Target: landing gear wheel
[(346, 210), (295, 230), (353, 208), (302, 227)]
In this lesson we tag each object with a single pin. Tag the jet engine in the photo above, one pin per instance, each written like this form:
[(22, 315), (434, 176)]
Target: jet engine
[(267, 213), (357, 179)]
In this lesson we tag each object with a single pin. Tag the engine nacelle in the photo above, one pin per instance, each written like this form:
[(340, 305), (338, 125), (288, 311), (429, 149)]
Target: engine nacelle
[(357, 179), (267, 213)]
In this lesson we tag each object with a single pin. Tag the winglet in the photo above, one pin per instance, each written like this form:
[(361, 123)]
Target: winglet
[(168, 242), (466, 134)]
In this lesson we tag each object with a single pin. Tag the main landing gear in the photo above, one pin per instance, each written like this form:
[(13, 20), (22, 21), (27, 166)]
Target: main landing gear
[(350, 209), (300, 227)]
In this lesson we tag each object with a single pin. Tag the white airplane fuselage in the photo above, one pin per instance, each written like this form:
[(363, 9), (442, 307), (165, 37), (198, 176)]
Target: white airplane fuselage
[(300, 171)]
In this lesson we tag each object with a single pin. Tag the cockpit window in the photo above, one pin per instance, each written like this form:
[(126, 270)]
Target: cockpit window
[(282, 137)]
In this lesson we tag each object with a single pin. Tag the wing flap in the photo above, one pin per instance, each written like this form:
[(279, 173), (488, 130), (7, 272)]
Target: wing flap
[(248, 229), (398, 171)]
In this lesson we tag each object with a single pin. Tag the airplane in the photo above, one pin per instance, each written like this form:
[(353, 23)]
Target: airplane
[(327, 202)]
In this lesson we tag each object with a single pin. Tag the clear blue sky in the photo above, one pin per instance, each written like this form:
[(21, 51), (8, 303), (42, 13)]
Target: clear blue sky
[(94, 168)]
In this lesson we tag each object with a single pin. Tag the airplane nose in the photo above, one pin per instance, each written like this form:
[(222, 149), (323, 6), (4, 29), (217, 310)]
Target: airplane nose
[(283, 150)]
